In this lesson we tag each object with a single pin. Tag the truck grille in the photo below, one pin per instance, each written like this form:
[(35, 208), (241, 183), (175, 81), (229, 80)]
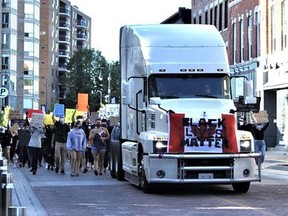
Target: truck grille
[(192, 168)]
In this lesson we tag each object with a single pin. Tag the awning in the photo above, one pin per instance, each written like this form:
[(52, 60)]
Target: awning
[(276, 84)]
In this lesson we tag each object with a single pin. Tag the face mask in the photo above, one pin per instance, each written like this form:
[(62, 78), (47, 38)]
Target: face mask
[(78, 124), (259, 127)]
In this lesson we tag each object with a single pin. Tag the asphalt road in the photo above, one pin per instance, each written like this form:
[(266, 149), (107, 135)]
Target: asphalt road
[(48, 193)]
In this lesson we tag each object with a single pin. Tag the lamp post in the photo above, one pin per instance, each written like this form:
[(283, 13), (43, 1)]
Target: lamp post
[(109, 84)]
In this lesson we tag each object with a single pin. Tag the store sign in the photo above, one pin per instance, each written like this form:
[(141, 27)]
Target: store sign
[(3, 92)]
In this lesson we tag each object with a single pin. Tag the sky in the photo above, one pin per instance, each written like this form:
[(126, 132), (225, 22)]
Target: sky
[(107, 16)]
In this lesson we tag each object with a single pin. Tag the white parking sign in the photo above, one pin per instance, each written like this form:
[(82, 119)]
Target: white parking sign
[(3, 92)]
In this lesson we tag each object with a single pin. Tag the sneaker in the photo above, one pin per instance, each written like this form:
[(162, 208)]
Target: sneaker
[(31, 170), (85, 170), (100, 173), (48, 168), (62, 171), (57, 169), (76, 174), (95, 172), (34, 172)]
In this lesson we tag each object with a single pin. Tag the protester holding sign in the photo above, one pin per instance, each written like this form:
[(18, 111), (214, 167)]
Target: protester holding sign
[(258, 130), (61, 132), (34, 146)]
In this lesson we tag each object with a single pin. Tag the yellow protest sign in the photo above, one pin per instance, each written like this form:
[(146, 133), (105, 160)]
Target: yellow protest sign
[(48, 119), (69, 115)]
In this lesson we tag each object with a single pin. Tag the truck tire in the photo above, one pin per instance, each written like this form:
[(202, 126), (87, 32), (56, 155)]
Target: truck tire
[(143, 183), (241, 187), (112, 161), (119, 172)]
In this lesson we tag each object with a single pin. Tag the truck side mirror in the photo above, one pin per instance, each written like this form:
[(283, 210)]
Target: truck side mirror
[(127, 93)]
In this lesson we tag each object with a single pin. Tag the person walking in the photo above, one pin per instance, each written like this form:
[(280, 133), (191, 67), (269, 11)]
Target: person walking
[(14, 146), (258, 131), (61, 132), (24, 138), (105, 123), (34, 146), (6, 139), (97, 139), (76, 144), (48, 150)]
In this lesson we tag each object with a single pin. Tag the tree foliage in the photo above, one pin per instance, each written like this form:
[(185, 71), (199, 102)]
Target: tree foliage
[(89, 71)]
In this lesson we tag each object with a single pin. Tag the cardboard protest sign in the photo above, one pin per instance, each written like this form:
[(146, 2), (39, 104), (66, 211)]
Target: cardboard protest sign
[(14, 128), (59, 110), (82, 102), (261, 116), (37, 120), (15, 115)]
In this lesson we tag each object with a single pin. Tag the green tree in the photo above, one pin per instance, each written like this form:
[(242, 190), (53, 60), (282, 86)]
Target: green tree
[(88, 74)]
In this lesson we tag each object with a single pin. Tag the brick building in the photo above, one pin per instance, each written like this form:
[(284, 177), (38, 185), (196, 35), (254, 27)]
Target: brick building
[(255, 33)]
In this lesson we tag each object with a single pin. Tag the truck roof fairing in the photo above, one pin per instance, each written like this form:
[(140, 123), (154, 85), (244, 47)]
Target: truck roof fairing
[(148, 36), (149, 48)]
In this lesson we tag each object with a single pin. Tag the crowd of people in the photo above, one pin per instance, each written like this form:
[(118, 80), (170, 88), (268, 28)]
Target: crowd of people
[(84, 144)]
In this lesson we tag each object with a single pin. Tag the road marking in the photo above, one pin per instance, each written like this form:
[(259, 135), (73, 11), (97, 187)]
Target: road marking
[(229, 208)]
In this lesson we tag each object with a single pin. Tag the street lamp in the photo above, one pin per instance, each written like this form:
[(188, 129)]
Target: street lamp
[(109, 84)]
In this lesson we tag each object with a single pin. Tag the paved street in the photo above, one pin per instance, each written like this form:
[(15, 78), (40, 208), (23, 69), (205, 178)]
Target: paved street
[(48, 193)]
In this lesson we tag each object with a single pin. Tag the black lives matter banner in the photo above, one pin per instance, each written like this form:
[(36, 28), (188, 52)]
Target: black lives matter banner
[(202, 135)]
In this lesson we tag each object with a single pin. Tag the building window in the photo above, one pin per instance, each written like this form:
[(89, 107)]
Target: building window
[(220, 16), (5, 20), (211, 16), (206, 17), (5, 41), (273, 29), (215, 16), (234, 42), (241, 37), (5, 62), (283, 25), (257, 33), (249, 37), (226, 14), (194, 20)]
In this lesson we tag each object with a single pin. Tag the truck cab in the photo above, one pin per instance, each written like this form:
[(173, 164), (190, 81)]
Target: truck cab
[(178, 119)]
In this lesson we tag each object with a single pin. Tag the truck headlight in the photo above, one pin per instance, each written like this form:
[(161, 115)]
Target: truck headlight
[(160, 147), (245, 145)]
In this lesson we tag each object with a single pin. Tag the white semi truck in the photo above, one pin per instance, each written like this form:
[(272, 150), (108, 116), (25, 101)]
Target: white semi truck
[(177, 117)]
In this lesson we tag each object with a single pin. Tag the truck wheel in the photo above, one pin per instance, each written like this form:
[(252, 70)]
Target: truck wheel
[(119, 172), (143, 184), (241, 187), (112, 162)]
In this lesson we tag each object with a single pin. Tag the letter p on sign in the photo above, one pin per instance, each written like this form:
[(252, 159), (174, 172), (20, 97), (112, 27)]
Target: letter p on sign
[(3, 92)]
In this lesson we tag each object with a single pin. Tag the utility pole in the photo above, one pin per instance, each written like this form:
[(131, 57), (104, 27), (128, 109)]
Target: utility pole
[(109, 84)]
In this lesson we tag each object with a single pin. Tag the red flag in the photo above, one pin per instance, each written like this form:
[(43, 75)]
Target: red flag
[(229, 134), (176, 133)]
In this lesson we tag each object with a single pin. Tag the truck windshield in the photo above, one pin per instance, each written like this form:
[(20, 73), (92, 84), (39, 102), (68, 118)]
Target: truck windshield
[(168, 86)]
